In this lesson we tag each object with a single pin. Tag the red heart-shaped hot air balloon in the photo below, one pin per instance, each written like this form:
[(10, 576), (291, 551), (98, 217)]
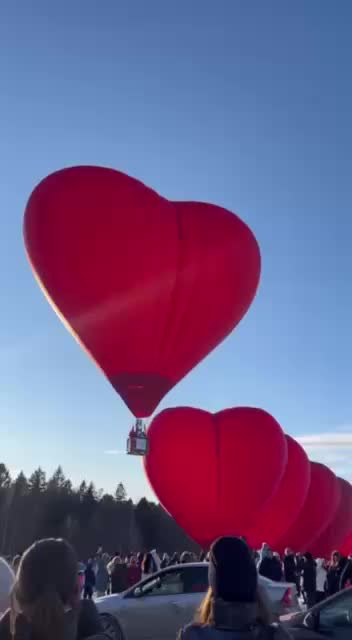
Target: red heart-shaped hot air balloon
[(282, 510), (214, 472), (346, 547), (317, 512), (333, 536), (148, 286)]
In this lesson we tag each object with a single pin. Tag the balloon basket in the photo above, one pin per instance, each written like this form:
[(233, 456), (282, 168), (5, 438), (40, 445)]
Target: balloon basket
[(137, 442)]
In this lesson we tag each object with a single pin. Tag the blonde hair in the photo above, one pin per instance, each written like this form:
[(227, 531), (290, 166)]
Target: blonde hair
[(205, 613)]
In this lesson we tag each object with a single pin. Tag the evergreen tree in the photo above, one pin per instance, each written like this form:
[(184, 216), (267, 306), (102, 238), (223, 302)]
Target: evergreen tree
[(120, 493), (37, 481)]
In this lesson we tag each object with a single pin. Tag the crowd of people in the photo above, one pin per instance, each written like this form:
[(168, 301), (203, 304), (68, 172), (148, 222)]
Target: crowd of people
[(104, 574), (48, 594), (315, 579)]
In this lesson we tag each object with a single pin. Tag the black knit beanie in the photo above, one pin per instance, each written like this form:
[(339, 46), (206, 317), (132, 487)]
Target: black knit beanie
[(232, 571)]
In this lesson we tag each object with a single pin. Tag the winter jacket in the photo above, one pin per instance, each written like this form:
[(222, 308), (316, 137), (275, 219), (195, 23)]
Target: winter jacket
[(321, 575), (309, 576), (119, 578), (237, 621), (290, 568), (134, 575), (79, 625), (334, 575), (102, 576), (89, 577), (270, 568)]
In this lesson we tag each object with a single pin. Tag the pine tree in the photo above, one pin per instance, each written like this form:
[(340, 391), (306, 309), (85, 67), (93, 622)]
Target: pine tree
[(37, 481), (21, 485), (5, 478), (120, 493)]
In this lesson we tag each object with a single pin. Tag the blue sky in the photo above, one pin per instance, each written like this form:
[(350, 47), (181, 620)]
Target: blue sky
[(244, 104)]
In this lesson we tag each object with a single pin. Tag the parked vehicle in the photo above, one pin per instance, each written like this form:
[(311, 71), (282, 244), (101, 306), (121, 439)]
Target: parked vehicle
[(331, 619), (157, 607)]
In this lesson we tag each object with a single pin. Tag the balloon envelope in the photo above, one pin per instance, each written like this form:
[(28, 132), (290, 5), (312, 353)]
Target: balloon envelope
[(335, 533), (147, 286), (282, 510), (346, 547), (213, 473), (317, 512)]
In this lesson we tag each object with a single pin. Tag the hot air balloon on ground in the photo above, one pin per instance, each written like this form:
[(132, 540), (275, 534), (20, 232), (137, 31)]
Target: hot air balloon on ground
[(317, 512), (333, 536), (129, 272), (284, 507), (214, 472)]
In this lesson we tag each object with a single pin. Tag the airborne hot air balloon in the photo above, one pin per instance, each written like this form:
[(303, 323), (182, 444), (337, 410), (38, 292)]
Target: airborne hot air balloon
[(147, 286)]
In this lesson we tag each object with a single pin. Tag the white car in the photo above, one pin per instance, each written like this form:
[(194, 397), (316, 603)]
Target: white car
[(157, 607)]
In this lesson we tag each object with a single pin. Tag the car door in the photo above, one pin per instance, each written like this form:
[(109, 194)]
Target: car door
[(195, 584), (151, 611), (335, 617)]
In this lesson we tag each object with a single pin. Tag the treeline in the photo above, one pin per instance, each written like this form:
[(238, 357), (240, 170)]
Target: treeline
[(37, 507)]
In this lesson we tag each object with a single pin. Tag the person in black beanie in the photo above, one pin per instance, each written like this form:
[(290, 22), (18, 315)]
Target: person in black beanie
[(233, 605)]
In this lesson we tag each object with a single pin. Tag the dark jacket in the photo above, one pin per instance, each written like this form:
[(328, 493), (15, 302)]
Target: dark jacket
[(334, 575), (270, 568), (89, 577), (290, 568), (80, 625), (309, 576), (119, 578), (237, 621)]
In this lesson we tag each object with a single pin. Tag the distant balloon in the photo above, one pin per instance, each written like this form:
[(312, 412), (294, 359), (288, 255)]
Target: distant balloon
[(335, 533), (317, 512), (147, 286), (213, 473), (282, 510)]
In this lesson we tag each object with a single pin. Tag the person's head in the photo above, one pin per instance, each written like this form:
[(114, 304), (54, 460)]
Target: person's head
[(288, 552), (232, 577), (46, 585), (186, 557), (335, 558), (175, 559), (308, 558)]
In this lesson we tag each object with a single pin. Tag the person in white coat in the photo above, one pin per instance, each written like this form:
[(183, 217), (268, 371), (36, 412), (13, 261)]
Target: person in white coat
[(321, 580)]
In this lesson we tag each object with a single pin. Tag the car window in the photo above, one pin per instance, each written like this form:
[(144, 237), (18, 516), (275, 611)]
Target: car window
[(337, 613), (195, 579), (185, 579), (166, 584)]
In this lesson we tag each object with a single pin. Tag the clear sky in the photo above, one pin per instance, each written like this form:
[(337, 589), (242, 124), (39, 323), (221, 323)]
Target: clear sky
[(246, 104)]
